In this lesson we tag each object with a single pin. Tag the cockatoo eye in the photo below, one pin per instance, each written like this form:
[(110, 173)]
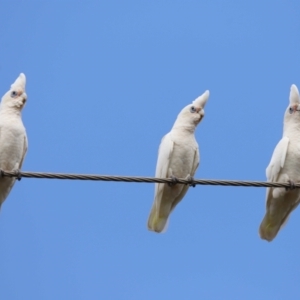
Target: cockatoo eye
[(291, 110), (192, 109), (14, 94)]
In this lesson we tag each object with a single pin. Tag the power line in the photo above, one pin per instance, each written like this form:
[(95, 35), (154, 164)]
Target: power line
[(94, 177)]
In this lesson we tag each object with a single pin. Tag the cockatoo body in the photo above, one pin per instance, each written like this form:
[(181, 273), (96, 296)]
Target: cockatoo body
[(284, 167), (178, 157), (13, 139)]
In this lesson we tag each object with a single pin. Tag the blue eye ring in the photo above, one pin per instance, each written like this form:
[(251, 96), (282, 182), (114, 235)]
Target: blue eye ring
[(192, 109), (14, 94), (291, 110)]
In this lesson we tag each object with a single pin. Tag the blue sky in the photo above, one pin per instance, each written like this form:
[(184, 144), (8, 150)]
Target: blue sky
[(105, 82)]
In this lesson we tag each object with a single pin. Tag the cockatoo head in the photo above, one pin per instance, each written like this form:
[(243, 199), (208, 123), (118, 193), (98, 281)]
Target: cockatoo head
[(192, 114), (293, 110), (16, 96)]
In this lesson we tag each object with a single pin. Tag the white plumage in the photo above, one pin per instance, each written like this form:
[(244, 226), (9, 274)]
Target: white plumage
[(178, 156), (13, 139), (284, 167)]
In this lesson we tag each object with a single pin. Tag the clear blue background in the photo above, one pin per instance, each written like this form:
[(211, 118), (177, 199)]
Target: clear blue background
[(105, 82)]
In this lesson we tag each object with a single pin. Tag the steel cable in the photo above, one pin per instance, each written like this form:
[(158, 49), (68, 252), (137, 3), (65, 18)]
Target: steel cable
[(94, 177)]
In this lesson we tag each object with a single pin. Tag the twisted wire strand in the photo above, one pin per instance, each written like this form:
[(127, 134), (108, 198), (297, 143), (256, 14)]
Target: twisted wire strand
[(40, 175)]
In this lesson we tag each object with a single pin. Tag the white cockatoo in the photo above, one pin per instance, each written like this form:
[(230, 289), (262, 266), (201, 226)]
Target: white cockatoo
[(178, 157), (13, 139), (284, 167)]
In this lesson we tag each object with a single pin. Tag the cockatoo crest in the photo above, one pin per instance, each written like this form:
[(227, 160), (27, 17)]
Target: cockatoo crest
[(16, 96), (201, 100), (20, 82), (294, 95), (292, 114), (192, 114)]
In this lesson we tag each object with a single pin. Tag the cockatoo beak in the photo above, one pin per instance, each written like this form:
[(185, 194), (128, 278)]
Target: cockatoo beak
[(24, 98), (201, 113)]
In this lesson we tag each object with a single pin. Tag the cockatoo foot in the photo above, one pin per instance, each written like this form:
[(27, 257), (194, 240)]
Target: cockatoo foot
[(291, 187), (191, 180), (174, 181)]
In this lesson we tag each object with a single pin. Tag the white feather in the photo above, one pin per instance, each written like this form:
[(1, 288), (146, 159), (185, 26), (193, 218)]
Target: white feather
[(178, 156), (13, 139), (277, 160), (164, 156), (283, 167)]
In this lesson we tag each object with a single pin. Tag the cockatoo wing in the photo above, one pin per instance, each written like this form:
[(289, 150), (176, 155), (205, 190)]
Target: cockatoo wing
[(25, 147), (6, 183), (163, 161), (196, 161), (276, 163), (186, 187), (164, 156), (279, 208), (278, 159)]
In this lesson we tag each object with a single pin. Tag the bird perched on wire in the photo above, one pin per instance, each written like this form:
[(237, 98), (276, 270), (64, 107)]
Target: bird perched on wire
[(13, 139), (284, 167), (178, 157)]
